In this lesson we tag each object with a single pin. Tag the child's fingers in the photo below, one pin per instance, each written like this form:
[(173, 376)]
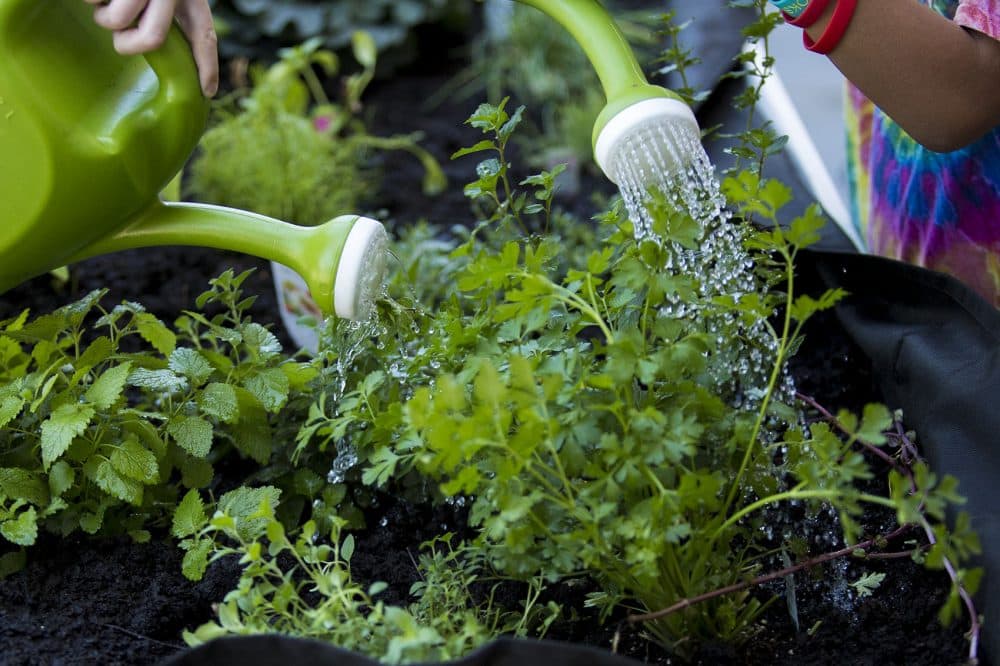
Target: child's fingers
[(195, 19), (148, 34), (118, 14)]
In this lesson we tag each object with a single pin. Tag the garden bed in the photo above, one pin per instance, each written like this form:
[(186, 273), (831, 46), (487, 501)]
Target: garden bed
[(86, 600)]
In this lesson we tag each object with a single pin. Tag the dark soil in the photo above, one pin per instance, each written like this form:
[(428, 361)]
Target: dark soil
[(110, 601)]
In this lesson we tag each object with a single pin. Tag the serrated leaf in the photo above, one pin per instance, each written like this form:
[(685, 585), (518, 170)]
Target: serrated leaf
[(196, 559), (252, 433), (196, 472), (134, 461), (61, 478), (243, 505), (261, 340), (192, 433), (189, 363), (160, 381), (868, 583), (66, 422), (270, 387), (22, 530), (219, 401), (17, 483), (116, 485), (155, 333), (10, 407), (190, 515), (875, 419), (109, 386)]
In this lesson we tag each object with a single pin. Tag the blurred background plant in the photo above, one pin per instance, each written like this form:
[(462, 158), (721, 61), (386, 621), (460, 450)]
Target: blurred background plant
[(249, 25), (283, 148), (526, 56)]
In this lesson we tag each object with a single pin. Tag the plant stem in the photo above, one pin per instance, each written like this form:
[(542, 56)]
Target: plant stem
[(781, 573)]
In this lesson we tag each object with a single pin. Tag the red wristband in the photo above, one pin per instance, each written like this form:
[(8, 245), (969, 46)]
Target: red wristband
[(814, 10), (835, 29)]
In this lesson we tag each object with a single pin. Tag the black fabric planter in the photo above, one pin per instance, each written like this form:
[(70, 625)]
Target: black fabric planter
[(935, 347)]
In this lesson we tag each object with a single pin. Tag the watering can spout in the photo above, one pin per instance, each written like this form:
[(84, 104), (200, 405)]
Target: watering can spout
[(637, 114), (89, 138), (343, 261)]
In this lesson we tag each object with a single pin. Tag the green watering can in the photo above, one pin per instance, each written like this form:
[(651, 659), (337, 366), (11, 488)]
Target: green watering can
[(88, 139)]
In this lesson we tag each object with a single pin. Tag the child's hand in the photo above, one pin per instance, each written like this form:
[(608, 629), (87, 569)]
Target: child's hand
[(142, 25)]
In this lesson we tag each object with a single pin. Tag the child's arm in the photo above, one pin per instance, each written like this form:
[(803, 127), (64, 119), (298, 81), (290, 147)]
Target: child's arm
[(938, 80), (142, 25)]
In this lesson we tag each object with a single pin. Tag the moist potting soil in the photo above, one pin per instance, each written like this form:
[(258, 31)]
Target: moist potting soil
[(110, 601)]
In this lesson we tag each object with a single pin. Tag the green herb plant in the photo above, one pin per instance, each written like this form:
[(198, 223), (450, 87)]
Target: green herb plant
[(581, 424), (101, 439), (288, 151), (317, 597)]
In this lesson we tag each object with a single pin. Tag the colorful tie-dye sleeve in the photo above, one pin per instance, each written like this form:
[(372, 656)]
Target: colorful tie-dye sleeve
[(938, 210), (981, 15)]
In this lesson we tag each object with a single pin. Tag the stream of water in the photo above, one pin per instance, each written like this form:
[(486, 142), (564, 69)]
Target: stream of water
[(650, 163)]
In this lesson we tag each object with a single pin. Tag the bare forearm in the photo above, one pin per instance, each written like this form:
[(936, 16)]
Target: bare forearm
[(939, 81)]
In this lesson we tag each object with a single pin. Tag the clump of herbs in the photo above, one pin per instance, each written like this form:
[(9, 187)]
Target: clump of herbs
[(102, 440), (288, 151), (578, 421)]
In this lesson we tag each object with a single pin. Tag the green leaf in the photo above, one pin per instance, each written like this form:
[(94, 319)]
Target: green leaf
[(192, 433), (155, 333), (189, 363), (196, 559), (219, 401), (196, 472), (190, 515), (12, 562), (159, 381), (22, 530), (66, 422), (867, 584), (270, 387), (133, 460), (10, 407), (244, 504), (485, 144), (61, 478), (262, 341), (109, 386), (252, 433), (875, 420), (17, 483), (116, 485)]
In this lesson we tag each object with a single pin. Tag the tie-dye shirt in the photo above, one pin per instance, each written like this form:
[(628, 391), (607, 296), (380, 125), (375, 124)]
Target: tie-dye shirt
[(938, 210)]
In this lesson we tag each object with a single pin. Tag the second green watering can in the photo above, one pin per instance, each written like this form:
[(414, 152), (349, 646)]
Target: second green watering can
[(88, 139)]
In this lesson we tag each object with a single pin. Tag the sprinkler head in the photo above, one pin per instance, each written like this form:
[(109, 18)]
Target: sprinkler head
[(361, 270), (655, 138)]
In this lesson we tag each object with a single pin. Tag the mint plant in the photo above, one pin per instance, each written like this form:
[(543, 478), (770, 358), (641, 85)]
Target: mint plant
[(107, 414)]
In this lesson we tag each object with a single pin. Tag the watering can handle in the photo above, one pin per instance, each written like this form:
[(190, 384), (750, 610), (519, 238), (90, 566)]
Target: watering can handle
[(179, 101), (175, 116)]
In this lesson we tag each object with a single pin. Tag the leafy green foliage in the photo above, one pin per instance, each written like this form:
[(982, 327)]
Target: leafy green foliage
[(288, 151), (100, 439), (317, 597)]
